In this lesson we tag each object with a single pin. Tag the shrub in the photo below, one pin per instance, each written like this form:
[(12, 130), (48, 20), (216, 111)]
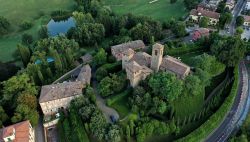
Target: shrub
[(27, 39), (25, 25), (4, 26)]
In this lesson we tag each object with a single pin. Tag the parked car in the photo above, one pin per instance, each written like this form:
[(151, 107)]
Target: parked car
[(112, 118)]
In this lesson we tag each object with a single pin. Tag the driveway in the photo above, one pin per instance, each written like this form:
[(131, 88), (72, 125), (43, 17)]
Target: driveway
[(39, 132), (101, 103)]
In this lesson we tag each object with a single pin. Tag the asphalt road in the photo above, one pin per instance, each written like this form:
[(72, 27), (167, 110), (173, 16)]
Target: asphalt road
[(236, 11), (231, 120), (39, 132)]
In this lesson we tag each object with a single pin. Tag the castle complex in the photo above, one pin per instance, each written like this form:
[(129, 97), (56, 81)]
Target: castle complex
[(139, 65)]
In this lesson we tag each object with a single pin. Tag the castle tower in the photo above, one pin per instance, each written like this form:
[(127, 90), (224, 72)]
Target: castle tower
[(157, 53), (126, 56)]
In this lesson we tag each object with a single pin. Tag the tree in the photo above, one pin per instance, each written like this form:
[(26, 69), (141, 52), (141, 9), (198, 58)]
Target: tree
[(90, 93), (27, 39), (173, 1), (221, 7), (58, 61), (165, 85), (229, 50), (128, 134), (204, 21), (193, 86), (239, 21), (15, 86), (190, 4), (27, 99), (179, 29), (25, 54), (24, 112), (25, 25), (209, 64), (3, 116), (239, 31), (88, 34), (101, 72), (113, 134), (100, 58), (7, 70), (82, 18), (225, 18), (111, 85), (43, 32), (4, 26)]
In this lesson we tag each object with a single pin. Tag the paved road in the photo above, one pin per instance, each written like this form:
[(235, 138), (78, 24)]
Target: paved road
[(39, 133), (101, 103), (236, 11), (232, 119)]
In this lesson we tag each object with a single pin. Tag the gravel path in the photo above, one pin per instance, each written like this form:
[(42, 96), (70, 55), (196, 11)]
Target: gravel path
[(101, 103)]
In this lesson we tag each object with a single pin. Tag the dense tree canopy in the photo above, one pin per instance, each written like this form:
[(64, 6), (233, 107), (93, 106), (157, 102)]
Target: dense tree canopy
[(229, 50), (111, 85), (165, 85), (209, 64)]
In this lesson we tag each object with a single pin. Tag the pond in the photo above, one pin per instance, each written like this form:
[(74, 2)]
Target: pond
[(60, 27)]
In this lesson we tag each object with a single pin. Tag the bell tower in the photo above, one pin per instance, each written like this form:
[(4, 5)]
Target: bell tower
[(157, 54)]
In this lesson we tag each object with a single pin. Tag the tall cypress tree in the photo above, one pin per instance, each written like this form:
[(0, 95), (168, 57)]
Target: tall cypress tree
[(24, 52)]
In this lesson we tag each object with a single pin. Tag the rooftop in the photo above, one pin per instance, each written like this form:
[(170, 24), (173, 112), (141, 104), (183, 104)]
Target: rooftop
[(206, 13), (120, 48), (60, 90), (21, 132), (174, 65)]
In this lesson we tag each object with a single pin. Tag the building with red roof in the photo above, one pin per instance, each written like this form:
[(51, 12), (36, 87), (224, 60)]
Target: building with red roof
[(19, 132)]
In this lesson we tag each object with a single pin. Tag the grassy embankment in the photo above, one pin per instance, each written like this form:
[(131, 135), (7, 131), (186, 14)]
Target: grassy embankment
[(37, 11)]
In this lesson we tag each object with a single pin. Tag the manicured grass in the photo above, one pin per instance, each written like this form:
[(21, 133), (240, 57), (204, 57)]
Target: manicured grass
[(188, 57), (120, 103), (161, 10), (188, 105), (37, 11)]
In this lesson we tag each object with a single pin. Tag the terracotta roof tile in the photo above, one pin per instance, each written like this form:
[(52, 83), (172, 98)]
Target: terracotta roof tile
[(21, 131), (206, 13)]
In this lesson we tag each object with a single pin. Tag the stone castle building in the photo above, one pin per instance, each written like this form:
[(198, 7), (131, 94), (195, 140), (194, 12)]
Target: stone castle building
[(58, 96), (139, 65)]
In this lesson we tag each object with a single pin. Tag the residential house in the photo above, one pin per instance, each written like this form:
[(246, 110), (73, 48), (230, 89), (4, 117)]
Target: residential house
[(19, 132), (197, 14), (230, 4), (199, 33), (117, 50), (246, 20), (247, 7), (139, 65)]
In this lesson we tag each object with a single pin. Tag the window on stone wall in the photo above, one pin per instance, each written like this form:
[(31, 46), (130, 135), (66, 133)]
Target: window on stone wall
[(156, 52)]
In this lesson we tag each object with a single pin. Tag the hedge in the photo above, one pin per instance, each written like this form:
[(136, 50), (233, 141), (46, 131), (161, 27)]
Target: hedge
[(215, 120), (105, 69)]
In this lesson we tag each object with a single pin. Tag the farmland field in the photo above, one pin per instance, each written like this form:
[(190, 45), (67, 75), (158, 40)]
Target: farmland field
[(161, 10), (37, 11)]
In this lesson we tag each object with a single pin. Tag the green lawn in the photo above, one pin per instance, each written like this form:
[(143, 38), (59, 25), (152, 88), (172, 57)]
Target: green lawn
[(120, 103), (188, 105), (188, 57), (37, 11), (161, 10)]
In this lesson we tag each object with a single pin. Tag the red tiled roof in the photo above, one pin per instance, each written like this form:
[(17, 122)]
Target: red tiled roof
[(246, 18), (21, 129), (206, 13)]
